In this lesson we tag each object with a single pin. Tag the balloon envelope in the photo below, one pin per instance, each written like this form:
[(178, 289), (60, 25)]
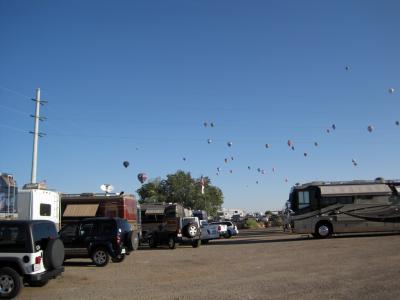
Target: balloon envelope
[(126, 164), (142, 177), (370, 128), (391, 90), (229, 144)]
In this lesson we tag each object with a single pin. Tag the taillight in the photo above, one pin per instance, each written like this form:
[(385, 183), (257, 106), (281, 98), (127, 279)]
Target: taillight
[(38, 260), (118, 239)]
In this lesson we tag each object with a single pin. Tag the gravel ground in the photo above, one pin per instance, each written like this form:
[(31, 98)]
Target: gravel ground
[(257, 264)]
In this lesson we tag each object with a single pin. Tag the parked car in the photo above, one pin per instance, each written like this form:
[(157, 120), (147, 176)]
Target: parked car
[(208, 232), (221, 227), (99, 239), (173, 226), (231, 228), (30, 252)]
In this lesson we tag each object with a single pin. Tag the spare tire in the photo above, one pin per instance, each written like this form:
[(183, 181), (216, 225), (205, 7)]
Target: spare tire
[(190, 230), (53, 256), (132, 241)]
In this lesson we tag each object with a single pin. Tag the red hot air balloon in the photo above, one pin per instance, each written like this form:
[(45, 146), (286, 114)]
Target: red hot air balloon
[(289, 143), (142, 177)]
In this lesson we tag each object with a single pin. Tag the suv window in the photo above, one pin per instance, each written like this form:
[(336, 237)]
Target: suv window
[(86, 229), (42, 232), (69, 230), (106, 228), (12, 238), (125, 226)]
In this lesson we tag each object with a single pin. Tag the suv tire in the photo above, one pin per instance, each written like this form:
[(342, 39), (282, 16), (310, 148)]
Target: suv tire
[(53, 256), (10, 283), (100, 257), (171, 242), (118, 258), (190, 230), (196, 243)]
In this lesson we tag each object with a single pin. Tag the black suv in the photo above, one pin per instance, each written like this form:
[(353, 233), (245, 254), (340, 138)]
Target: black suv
[(30, 252), (98, 239)]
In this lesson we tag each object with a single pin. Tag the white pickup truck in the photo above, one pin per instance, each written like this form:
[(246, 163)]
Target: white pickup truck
[(211, 231)]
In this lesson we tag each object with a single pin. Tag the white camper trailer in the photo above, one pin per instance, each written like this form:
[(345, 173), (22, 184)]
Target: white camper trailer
[(38, 204)]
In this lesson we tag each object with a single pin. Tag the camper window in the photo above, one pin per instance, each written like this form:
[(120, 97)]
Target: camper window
[(45, 210)]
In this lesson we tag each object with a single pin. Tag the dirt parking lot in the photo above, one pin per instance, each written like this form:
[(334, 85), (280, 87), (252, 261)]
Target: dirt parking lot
[(258, 264)]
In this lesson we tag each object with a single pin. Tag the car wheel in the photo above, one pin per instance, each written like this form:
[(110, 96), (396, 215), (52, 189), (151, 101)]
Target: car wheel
[(152, 242), (323, 230), (54, 254), (171, 242), (100, 257), (118, 259), (227, 234), (10, 283), (196, 243), (191, 230)]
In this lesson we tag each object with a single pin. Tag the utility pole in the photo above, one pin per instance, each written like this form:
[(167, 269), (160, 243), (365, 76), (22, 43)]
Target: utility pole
[(36, 133)]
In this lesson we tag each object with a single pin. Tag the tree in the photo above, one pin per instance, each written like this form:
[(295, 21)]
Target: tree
[(183, 189)]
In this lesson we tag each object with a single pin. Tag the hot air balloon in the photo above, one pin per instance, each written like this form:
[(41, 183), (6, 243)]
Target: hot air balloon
[(370, 128), (226, 160), (230, 171), (231, 157), (142, 177), (205, 124), (289, 143), (218, 169), (209, 141), (292, 148), (333, 126), (258, 170), (229, 144), (263, 172), (327, 130), (126, 164), (267, 146), (316, 144), (257, 182), (212, 124), (354, 162), (286, 179), (249, 167), (391, 90), (184, 158), (305, 154), (347, 68), (397, 123), (273, 169)]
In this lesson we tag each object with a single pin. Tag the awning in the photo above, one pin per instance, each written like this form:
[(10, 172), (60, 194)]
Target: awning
[(356, 189), (154, 211), (81, 210)]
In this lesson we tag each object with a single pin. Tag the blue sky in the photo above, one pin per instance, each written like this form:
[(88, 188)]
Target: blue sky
[(136, 80)]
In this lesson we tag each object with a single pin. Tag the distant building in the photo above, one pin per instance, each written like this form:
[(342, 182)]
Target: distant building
[(8, 195), (228, 213)]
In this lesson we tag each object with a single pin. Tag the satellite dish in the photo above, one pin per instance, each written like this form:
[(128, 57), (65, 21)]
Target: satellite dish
[(108, 188)]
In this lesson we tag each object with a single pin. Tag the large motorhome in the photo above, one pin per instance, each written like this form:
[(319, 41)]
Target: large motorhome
[(325, 208), (79, 206)]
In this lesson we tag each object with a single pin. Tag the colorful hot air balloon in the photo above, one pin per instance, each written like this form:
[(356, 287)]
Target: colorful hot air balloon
[(289, 143), (209, 141), (267, 146), (391, 90), (126, 164), (370, 128), (142, 177), (229, 144)]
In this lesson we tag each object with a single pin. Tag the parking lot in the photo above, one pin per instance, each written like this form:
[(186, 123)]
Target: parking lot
[(258, 264)]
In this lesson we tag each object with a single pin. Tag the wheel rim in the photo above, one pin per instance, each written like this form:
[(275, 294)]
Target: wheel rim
[(6, 284), (100, 257), (323, 230), (192, 230)]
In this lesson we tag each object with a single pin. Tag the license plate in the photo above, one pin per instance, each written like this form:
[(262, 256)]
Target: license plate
[(123, 251)]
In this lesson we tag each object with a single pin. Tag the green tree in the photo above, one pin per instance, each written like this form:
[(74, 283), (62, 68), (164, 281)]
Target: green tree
[(182, 188)]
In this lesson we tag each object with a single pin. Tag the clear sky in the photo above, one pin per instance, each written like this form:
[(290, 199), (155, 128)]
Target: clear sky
[(136, 80)]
